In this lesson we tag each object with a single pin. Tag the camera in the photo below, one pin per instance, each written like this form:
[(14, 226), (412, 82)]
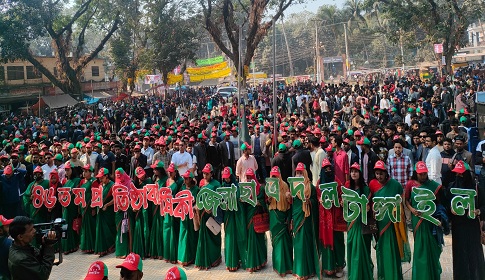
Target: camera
[(59, 226)]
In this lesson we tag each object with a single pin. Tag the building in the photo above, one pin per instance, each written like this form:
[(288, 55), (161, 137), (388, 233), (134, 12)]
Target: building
[(22, 84)]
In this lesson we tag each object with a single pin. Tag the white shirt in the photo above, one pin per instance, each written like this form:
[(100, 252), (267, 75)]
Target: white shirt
[(180, 158), (324, 106), (149, 152), (317, 158), (47, 170), (92, 159), (384, 104), (434, 163)]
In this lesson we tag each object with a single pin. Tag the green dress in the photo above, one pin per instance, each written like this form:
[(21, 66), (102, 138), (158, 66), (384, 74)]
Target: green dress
[(306, 262), (39, 215), (69, 213), (209, 245), (387, 249), (105, 224), (235, 234), (171, 228), (88, 221), (281, 240), (188, 237), (427, 251), (141, 233), (156, 231), (257, 253), (360, 266), (124, 238)]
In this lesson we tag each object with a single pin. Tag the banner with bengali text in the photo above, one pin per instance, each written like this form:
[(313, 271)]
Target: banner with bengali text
[(209, 61)]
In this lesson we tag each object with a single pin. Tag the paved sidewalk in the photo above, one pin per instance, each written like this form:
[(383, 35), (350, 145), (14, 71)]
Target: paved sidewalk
[(76, 265)]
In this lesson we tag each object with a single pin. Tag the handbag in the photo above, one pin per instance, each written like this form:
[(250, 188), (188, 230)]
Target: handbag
[(371, 227), (76, 224), (261, 221), (213, 226)]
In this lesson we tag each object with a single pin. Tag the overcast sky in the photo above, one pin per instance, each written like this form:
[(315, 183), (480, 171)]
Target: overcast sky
[(312, 5)]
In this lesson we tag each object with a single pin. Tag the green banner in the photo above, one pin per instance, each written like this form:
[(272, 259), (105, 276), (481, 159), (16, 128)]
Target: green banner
[(209, 61)]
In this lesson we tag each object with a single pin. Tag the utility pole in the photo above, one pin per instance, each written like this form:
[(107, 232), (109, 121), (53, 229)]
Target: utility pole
[(347, 58), (315, 71), (275, 99), (402, 49), (292, 73)]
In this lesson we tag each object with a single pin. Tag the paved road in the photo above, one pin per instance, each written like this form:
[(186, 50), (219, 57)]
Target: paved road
[(75, 267)]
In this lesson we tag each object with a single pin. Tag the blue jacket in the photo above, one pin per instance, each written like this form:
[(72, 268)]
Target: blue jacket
[(10, 187)]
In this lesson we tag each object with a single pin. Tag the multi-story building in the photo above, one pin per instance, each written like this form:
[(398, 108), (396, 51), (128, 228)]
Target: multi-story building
[(22, 84)]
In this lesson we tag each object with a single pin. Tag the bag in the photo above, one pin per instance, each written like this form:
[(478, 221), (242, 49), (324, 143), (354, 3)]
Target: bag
[(76, 224), (371, 227), (213, 226), (261, 222)]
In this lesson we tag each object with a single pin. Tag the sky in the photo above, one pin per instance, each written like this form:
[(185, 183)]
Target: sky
[(312, 5)]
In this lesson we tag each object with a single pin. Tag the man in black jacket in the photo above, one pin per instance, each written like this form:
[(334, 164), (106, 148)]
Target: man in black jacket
[(368, 159), (227, 151), (301, 155), (283, 160), (24, 260)]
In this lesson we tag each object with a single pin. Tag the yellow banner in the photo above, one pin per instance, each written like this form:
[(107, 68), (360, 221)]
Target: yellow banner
[(214, 75), (259, 75), (206, 69), (172, 79)]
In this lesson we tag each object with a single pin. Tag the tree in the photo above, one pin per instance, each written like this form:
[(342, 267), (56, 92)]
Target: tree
[(222, 19), (24, 21), (442, 21), (173, 35)]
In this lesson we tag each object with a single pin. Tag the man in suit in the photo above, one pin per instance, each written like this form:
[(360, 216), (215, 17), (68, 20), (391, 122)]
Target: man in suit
[(227, 150), (137, 160)]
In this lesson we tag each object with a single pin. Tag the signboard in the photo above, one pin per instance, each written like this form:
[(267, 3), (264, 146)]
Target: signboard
[(438, 48), (152, 79)]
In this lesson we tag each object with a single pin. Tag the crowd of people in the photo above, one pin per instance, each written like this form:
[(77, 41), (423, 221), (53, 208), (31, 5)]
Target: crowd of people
[(379, 139)]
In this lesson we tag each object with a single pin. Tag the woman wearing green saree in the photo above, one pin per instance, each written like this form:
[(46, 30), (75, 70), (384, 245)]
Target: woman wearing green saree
[(388, 248), (141, 233), (156, 230), (38, 215), (88, 219), (123, 219), (171, 224), (188, 235), (235, 234), (360, 266), (257, 253), (105, 218), (279, 218), (209, 245), (71, 212), (427, 250), (305, 263)]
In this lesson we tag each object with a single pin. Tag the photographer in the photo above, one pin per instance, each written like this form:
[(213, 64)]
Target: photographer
[(5, 243), (24, 260)]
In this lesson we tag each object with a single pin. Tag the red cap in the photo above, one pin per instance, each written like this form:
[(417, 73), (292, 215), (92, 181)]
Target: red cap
[(380, 165), (207, 168), (275, 171), (326, 162), (459, 167), (4, 221), (38, 169), (396, 137), (175, 273), (421, 167), (323, 139), (137, 147), (355, 166), (346, 141), (357, 133), (250, 172), (226, 173), (171, 167), (8, 170), (438, 132), (67, 165), (132, 262), (140, 172), (97, 271), (300, 167), (329, 148)]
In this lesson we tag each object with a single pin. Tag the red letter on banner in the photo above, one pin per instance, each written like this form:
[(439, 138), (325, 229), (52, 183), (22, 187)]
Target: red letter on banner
[(50, 198), (165, 197), (151, 191), (64, 195), (120, 198), (138, 199), (79, 196), (97, 196), (185, 201), (37, 196)]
